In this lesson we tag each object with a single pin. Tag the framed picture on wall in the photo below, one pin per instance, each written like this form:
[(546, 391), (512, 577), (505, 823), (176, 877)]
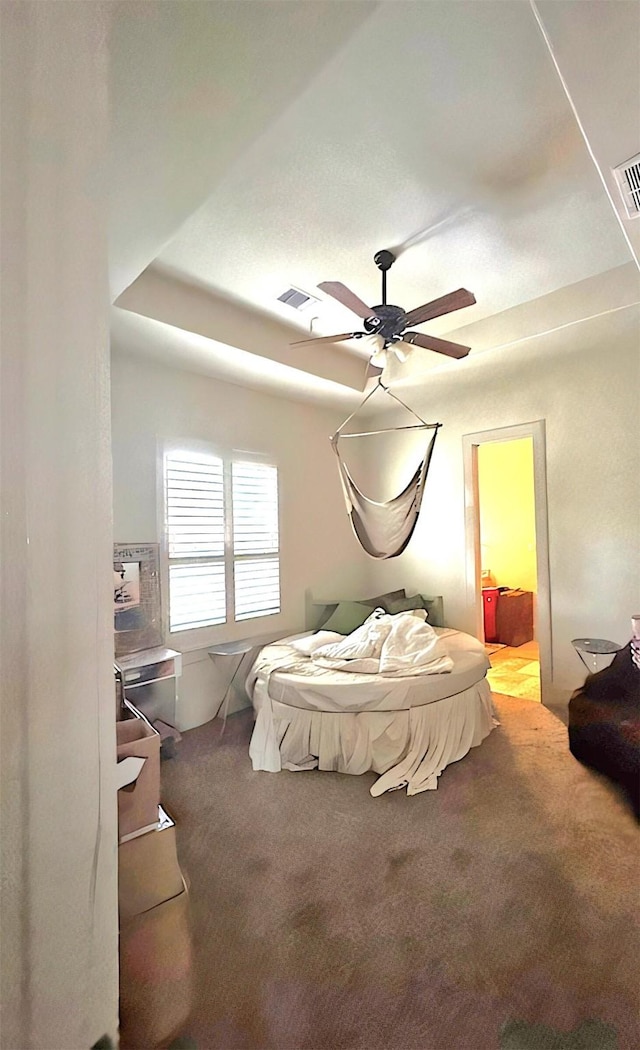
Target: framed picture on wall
[(137, 612)]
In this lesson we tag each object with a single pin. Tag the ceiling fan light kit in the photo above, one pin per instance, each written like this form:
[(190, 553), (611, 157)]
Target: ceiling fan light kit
[(391, 323)]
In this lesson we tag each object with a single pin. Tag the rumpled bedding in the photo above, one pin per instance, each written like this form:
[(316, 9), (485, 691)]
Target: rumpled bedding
[(407, 728), (391, 646)]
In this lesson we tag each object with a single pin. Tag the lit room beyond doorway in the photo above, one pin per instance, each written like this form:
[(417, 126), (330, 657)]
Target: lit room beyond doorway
[(509, 568)]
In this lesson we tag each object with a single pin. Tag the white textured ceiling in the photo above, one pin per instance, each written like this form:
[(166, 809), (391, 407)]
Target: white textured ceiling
[(192, 84), (441, 129)]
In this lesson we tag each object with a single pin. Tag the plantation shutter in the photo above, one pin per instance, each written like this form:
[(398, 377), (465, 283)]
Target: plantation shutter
[(195, 538), (255, 540)]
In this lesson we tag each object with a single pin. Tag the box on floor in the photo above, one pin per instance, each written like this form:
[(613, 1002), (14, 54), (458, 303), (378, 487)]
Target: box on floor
[(155, 974), (155, 937), (148, 869), (138, 802)]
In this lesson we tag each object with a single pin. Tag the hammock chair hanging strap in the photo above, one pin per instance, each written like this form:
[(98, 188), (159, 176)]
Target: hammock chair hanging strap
[(384, 529)]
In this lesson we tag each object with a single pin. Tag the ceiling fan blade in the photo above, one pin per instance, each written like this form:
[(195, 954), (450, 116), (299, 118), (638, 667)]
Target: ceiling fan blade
[(441, 346), (344, 295), (446, 304), (329, 339)]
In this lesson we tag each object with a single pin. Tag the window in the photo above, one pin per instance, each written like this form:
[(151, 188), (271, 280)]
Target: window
[(221, 521)]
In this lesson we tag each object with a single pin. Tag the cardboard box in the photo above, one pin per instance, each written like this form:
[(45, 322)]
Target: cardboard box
[(155, 974), (514, 617), (148, 870), (163, 820), (138, 802)]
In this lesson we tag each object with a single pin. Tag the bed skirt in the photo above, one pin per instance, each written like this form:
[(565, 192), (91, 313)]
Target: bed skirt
[(409, 748)]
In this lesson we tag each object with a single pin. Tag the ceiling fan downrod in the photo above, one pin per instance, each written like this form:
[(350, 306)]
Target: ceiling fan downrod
[(387, 320), (384, 260)]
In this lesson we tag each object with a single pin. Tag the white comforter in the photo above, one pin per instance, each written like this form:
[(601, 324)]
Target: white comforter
[(391, 646), (405, 727)]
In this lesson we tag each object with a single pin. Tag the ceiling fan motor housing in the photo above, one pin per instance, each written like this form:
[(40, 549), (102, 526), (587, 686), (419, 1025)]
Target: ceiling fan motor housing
[(389, 321)]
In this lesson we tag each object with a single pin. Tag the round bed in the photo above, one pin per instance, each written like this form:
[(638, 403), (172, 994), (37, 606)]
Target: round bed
[(406, 729)]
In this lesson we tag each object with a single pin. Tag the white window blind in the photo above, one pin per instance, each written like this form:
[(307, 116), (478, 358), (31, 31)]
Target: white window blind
[(221, 519), (195, 539), (255, 540)]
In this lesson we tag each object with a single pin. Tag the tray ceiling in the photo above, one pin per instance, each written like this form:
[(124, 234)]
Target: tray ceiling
[(442, 131)]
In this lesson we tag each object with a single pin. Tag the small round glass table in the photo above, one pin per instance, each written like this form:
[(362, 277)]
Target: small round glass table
[(595, 653)]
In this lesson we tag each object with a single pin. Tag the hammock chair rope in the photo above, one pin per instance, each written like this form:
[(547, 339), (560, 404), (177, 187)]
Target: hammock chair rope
[(384, 529)]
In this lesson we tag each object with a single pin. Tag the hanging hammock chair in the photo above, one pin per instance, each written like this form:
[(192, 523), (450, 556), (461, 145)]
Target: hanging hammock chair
[(384, 529)]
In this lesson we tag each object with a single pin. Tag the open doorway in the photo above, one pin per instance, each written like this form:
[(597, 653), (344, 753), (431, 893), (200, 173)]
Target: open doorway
[(507, 555), (508, 566)]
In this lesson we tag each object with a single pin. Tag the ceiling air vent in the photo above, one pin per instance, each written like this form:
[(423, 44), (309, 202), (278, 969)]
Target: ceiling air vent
[(628, 179), (295, 298)]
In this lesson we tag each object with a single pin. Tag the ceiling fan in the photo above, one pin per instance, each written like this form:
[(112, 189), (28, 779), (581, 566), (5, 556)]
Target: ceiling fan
[(391, 323)]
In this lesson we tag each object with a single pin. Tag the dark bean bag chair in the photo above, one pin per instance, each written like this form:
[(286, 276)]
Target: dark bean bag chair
[(604, 724)]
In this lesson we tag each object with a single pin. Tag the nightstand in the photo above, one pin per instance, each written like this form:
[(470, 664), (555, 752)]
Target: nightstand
[(150, 682)]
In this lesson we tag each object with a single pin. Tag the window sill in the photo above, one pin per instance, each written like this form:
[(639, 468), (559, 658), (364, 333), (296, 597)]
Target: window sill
[(205, 637)]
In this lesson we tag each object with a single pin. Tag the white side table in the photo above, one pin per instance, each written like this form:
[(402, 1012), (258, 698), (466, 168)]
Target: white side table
[(595, 653), (241, 647)]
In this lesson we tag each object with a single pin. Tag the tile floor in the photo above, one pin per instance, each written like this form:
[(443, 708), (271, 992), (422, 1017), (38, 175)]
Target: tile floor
[(515, 671)]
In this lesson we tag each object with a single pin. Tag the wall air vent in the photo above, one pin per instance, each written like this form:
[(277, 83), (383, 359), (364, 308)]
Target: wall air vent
[(297, 299), (628, 179)]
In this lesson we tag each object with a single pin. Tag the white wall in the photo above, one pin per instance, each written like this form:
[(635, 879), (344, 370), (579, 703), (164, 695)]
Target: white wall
[(151, 403), (59, 841), (584, 382)]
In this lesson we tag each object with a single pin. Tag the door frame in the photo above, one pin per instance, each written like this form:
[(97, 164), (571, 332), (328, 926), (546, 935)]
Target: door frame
[(470, 442)]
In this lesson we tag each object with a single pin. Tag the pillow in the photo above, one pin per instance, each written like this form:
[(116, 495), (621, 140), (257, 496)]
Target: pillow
[(405, 604), (383, 600), (433, 606), (347, 617), (435, 609), (311, 642), (322, 611), (373, 603)]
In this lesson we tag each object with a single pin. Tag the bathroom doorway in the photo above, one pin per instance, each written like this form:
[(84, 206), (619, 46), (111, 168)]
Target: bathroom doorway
[(507, 555), (508, 565)]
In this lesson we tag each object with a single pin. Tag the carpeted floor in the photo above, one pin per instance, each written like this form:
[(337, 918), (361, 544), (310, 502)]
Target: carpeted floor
[(497, 912)]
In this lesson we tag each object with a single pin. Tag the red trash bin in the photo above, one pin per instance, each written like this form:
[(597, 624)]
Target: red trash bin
[(490, 598)]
